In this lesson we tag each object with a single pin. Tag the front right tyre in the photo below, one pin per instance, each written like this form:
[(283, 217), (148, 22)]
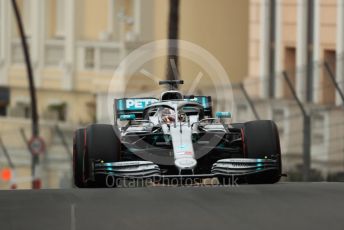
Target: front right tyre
[(97, 142)]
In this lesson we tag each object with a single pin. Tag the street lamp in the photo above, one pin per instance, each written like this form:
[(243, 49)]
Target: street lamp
[(36, 182)]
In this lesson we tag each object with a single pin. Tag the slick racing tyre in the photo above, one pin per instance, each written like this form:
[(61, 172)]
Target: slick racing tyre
[(96, 142), (262, 142)]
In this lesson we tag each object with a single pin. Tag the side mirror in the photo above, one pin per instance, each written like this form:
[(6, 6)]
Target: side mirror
[(223, 114), (127, 117)]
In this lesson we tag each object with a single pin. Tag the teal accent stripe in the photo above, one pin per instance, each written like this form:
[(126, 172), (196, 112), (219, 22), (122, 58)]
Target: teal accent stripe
[(204, 103), (120, 105)]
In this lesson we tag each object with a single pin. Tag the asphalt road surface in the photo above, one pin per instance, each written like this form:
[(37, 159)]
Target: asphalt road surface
[(280, 206)]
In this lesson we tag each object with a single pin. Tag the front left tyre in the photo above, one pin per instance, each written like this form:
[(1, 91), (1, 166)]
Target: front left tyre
[(262, 141)]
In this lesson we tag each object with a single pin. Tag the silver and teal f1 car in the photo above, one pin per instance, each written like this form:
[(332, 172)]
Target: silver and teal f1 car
[(175, 137)]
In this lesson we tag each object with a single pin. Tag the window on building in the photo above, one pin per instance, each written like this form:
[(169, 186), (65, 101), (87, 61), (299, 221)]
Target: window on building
[(58, 111), (56, 19), (4, 100), (27, 17), (60, 18), (53, 54), (289, 66), (21, 109), (3, 110), (328, 95), (26, 108)]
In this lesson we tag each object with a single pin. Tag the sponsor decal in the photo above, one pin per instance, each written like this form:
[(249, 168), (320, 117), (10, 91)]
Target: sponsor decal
[(182, 147), (138, 104), (189, 153), (203, 100)]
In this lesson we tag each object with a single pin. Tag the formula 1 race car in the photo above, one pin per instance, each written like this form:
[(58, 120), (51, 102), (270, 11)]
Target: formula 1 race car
[(175, 137)]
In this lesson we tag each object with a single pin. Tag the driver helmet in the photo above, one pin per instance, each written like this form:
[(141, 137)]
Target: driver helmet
[(168, 115)]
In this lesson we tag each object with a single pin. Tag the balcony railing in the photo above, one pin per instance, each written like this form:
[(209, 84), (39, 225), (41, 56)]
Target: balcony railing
[(54, 53), (99, 56)]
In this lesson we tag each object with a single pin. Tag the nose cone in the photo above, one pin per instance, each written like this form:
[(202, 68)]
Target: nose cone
[(185, 163)]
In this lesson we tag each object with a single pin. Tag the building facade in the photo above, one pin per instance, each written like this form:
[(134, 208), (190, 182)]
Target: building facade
[(75, 47), (304, 40)]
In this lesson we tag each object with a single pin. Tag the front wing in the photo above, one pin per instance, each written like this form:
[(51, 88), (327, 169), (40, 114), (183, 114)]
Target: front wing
[(232, 167)]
